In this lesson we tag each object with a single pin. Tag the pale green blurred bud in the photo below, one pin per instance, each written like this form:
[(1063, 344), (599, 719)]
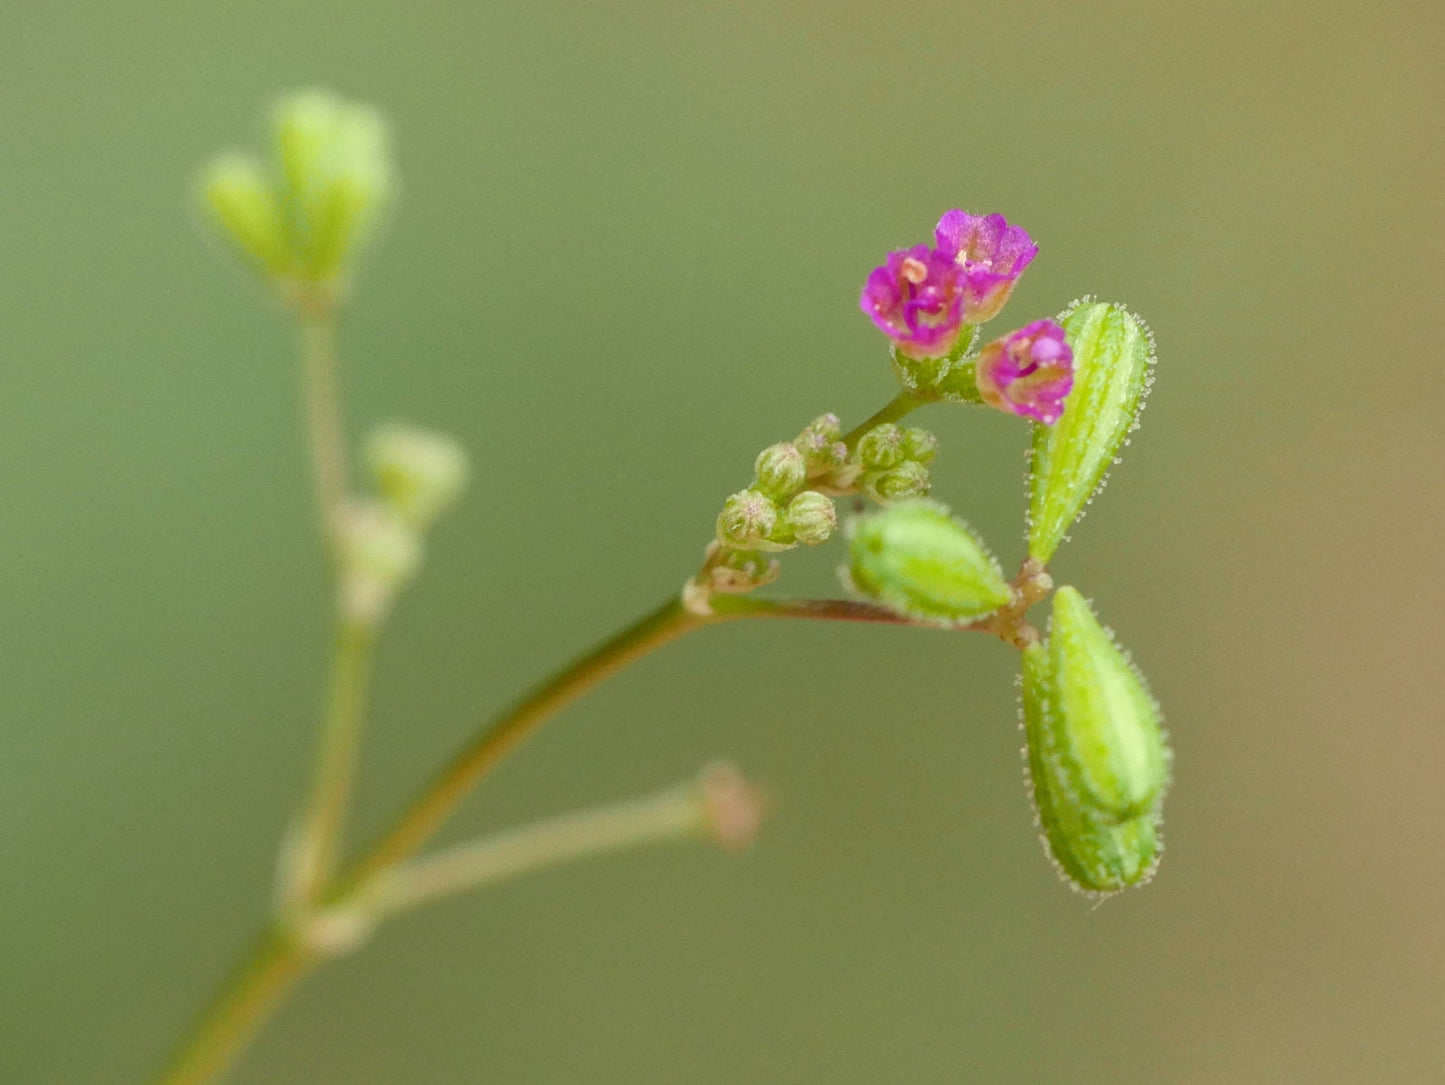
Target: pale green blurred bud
[(916, 559), (1095, 856), (1113, 353), (747, 519), (812, 517), (919, 445), (781, 471), (337, 167), (1107, 740), (238, 196), (378, 552), (419, 473), (821, 444), (881, 447), (909, 479)]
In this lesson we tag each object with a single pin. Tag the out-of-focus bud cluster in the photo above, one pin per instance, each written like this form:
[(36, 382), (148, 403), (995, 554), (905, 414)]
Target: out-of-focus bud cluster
[(418, 476), (916, 559), (1098, 762), (301, 219)]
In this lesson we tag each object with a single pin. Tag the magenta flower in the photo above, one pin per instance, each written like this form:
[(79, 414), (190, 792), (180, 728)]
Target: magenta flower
[(1027, 372), (916, 299), (991, 253)]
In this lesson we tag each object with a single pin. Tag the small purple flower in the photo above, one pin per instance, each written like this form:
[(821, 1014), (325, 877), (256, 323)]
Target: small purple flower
[(916, 299), (1027, 372), (991, 253)]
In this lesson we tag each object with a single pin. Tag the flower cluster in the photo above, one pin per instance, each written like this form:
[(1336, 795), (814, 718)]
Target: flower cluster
[(928, 300)]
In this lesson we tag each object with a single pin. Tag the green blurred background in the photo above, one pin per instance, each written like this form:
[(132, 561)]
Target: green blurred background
[(627, 257)]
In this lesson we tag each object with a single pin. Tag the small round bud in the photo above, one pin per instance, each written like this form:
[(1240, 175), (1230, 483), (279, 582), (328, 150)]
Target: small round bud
[(821, 444), (239, 197), (915, 558), (738, 571), (733, 808), (747, 519), (781, 471), (419, 473), (919, 445), (828, 426), (881, 447), (909, 479), (812, 517)]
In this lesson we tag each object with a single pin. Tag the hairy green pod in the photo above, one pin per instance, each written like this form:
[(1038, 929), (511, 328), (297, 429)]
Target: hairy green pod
[(1113, 353), (1095, 856), (1106, 736), (913, 557)]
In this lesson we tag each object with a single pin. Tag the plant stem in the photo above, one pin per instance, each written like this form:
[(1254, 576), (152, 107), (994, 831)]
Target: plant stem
[(897, 407), (674, 814), (436, 802), (324, 429), (253, 993), (319, 834), (280, 960)]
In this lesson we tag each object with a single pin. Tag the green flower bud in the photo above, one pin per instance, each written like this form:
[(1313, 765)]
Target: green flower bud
[(781, 471), (1113, 353), (881, 447), (915, 558), (378, 552), (919, 445), (812, 517), (1106, 737), (420, 474), (1096, 857), (236, 192), (747, 519), (909, 479), (338, 175)]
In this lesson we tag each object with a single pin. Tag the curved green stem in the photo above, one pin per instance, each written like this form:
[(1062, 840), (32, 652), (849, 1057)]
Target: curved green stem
[(253, 993), (279, 960), (900, 405)]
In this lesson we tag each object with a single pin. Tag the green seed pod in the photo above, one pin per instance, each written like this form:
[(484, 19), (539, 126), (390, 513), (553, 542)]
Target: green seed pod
[(915, 558), (1095, 857), (1113, 353), (781, 471), (238, 195), (812, 517), (1109, 746)]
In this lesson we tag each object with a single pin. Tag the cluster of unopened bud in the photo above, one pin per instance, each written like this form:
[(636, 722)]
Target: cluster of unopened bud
[(418, 476), (301, 220), (778, 511), (893, 462)]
